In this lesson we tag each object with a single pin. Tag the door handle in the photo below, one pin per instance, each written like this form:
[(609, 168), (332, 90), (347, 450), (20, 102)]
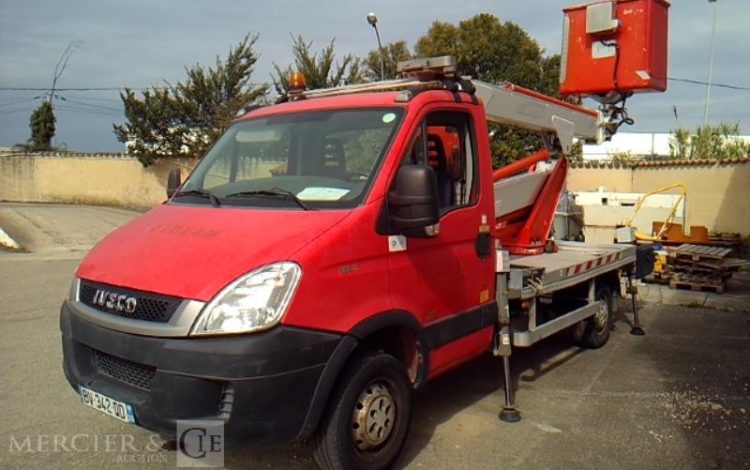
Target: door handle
[(483, 242)]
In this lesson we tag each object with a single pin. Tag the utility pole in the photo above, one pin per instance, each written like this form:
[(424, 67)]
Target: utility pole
[(373, 20), (710, 63)]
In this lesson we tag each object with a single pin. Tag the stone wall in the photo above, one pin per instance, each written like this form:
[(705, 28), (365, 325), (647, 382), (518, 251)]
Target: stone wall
[(87, 178), (718, 194)]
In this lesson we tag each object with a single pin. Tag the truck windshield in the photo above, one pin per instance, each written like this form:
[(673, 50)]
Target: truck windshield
[(300, 161)]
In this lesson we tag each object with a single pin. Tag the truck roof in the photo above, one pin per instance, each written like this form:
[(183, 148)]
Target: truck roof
[(357, 100)]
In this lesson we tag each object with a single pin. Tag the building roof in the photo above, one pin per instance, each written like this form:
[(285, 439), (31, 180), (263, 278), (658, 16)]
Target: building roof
[(657, 163)]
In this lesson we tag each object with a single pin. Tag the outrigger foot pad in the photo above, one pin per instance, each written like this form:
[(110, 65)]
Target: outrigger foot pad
[(510, 415), (637, 331)]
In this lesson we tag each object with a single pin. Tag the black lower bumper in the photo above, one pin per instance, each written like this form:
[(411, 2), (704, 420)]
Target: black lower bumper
[(262, 385)]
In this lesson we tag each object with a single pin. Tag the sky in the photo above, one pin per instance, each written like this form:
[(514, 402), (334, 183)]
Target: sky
[(139, 43)]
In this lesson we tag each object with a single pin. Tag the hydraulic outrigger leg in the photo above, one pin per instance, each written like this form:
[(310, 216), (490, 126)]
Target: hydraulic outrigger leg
[(633, 291), (509, 414)]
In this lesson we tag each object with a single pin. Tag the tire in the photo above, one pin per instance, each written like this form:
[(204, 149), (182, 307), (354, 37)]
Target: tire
[(361, 400), (592, 333)]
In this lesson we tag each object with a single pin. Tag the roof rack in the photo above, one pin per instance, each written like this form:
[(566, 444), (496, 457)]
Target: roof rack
[(419, 75), (387, 85)]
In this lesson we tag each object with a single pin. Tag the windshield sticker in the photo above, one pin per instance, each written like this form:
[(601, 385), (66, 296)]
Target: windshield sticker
[(314, 193), (388, 118)]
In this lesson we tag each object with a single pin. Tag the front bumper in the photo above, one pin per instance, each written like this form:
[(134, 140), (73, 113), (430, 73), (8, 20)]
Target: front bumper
[(262, 385)]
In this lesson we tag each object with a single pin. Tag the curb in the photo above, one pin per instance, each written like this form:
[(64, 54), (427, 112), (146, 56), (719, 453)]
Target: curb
[(658, 294), (7, 242)]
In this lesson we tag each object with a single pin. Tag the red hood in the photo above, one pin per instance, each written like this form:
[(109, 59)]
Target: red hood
[(192, 252)]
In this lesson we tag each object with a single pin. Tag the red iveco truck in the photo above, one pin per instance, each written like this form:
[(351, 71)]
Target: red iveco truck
[(334, 252)]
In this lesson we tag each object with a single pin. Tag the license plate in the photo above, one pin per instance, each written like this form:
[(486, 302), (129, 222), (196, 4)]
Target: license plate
[(107, 405)]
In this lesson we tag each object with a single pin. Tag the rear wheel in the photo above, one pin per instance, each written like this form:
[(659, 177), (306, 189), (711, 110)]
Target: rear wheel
[(594, 332), (368, 417)]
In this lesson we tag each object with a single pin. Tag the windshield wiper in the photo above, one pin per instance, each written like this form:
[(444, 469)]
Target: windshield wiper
[(273, 192), (200, 193)]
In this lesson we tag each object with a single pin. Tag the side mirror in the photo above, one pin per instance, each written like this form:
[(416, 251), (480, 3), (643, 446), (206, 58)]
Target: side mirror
[(413, 201), (174, 181)]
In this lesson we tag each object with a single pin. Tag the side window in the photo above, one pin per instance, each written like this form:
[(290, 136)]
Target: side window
[(445, 142)]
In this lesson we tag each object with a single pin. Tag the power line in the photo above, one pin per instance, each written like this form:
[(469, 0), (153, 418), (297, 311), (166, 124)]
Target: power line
[(702, 83), (13, 111), (87, 110), (9, 103), (93, 106), (84, 89), (95, 99), (93, 88)]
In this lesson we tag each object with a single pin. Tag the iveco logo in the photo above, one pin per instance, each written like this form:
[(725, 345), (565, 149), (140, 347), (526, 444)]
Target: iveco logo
[(114, 301)]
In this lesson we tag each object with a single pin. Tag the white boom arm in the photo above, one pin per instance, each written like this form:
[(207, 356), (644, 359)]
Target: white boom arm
[(515, 106)]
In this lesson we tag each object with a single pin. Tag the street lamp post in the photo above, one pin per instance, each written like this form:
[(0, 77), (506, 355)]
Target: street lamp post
[(373, 20), (710, 63)]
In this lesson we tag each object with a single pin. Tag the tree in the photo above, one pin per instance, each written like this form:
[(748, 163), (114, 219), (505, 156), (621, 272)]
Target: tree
[(42, 124), (391, 55), (319, 69), (550, 80), (720, 142), (184, 120), (486, 49), (42, 121), (492, 51)]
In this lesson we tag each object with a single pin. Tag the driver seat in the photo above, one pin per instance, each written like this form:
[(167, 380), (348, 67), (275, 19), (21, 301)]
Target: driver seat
[(332, 162), (437, 159)]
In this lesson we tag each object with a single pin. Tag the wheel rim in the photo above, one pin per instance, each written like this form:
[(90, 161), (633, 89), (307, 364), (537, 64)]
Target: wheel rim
[(374, 416), (602, 315)]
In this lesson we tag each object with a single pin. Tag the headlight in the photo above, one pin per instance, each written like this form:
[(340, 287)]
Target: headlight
[(255, 301)]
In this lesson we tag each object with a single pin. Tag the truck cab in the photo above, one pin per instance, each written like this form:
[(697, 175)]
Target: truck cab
[(316, 236)]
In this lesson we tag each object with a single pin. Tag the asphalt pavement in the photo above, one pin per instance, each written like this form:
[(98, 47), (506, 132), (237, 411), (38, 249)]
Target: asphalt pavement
[(678, 397), (59, 231)]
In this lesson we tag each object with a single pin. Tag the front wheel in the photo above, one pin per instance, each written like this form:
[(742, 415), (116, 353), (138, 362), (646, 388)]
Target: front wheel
[(368, 416)]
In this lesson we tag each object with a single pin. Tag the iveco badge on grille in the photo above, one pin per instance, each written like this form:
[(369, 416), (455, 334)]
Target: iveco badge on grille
[(114, 301)]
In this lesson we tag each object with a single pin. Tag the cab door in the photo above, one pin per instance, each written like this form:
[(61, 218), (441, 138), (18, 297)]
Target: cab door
[(446, 279)]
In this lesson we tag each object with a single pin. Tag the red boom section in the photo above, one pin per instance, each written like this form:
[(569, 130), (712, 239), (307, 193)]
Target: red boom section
[(521, 165), (525, 231)]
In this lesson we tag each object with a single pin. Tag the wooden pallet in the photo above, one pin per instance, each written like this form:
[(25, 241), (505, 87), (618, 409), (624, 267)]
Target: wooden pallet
[(657, 278), (696, 286), (700, 253), (698, 270), (699, 282), (719, 266), (725, 237)]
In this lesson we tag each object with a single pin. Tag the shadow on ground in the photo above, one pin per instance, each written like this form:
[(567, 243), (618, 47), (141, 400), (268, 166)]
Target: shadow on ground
[(477, 384), (677, 397), (703, 357), (481, 381)]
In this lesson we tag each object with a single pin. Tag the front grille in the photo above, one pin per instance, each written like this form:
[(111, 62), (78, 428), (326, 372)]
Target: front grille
[(137, 375), (149, 307)]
